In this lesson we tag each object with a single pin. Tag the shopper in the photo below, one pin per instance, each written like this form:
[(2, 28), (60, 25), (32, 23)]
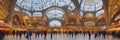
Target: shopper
[(89, 34), (45, 33)]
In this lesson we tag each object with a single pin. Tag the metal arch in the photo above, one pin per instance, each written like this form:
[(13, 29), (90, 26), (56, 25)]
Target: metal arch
[(55, 19), (64, 8), (54, 8), (17, 15), (91, 22), (22, 8)]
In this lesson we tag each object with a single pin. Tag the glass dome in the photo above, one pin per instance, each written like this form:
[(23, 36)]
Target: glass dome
[(41, 4)]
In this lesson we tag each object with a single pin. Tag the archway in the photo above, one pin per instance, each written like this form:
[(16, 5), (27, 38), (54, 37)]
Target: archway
[(116, 20), (101, 21), (71, 18), (54, 12), (89, 24), (116, 17), (89, 16), (55, 23), (16, 20)]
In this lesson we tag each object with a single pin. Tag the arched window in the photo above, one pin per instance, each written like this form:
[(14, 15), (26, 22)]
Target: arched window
[(41, 4), (39, 14), (55, 23), (55, 14)]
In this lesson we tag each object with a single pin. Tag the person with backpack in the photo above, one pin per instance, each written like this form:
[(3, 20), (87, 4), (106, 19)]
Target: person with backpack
[(28, 35)]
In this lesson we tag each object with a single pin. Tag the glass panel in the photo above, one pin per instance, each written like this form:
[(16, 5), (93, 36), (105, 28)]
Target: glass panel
[(39, 14), (55, 23), (91, 5), (41, 4), (71, 7), (99, 13), (17, 9), (55, 14), (81, 13)]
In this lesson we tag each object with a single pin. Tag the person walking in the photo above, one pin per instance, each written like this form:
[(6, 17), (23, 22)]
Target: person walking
[(20, 34), (89, 34), (2, 34), (45, 33), (28, 35)]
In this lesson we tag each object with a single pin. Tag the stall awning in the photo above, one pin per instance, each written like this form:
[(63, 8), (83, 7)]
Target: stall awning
[(4, 27)]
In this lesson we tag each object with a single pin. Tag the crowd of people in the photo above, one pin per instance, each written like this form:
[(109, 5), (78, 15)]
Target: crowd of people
[(28, 34)]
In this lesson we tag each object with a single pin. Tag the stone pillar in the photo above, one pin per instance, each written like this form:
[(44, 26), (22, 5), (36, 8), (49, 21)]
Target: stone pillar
[(31, 19), (44, 19), (10, 11), (105, 6)]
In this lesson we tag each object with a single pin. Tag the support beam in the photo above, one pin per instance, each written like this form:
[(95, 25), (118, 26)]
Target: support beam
[(76, 3)]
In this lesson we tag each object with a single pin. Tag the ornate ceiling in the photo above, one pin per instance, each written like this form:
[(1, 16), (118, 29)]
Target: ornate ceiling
[(6, 8), (41, 5)]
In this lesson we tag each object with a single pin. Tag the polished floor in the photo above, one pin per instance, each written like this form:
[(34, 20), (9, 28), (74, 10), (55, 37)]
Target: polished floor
[(62, 37)]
